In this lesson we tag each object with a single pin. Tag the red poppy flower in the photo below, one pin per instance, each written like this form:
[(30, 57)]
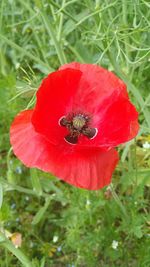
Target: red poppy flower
[(82, 112)]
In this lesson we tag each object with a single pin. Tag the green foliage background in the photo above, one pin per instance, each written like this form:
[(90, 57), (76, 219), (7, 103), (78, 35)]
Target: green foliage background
[(36, 37)]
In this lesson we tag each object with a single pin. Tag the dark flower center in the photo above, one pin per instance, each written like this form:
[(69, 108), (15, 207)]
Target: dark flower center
[(77, 124)]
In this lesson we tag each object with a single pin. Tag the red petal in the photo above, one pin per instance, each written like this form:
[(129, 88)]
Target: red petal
[(119, 123), (116, 121), (54, 100), (87, 168), (96, 84), (104, 95)]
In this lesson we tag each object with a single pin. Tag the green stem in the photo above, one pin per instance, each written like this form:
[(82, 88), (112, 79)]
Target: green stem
[(10, 177), (60, 23), (23, 51), (124, 18), (1, 14), (62, 10), (10, 187), (119, 203), (8, 157), (7, 244), (136, 165), (51, 33)]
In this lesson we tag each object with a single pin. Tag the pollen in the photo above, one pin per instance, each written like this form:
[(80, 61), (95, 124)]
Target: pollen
[(78, 122)]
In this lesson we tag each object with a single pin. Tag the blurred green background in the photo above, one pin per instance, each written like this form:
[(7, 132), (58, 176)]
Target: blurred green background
[(45, 222)]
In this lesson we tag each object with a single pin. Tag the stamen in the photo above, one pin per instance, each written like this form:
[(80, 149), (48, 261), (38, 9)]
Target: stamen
[(71, 139), (96, 132), (77, 124), (62, 121), (90, 132)]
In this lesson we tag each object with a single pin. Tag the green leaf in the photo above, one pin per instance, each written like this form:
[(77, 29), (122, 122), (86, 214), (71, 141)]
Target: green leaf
[(138, 232), (41, 212)]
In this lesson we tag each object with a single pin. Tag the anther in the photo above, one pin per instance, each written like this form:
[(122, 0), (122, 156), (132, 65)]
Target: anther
[(77, 124), (63, 121), (71, 139), (90, 132)]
